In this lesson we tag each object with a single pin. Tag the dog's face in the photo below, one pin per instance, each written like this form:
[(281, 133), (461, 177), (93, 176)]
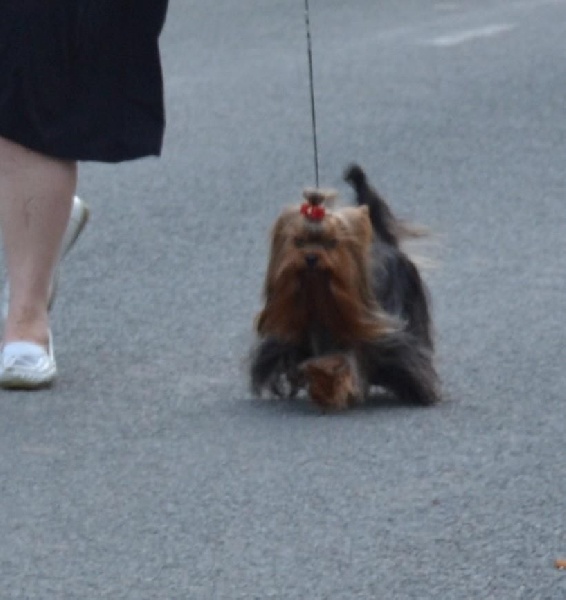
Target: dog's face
[(319, 271), (335, 246)]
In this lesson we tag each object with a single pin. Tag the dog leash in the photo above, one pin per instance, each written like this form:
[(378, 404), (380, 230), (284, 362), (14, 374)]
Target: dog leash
[(311, 81)]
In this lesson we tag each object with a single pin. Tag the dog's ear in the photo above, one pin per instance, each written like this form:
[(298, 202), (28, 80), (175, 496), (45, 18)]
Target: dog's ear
[(358, 222), (279, 236), (280, 230)]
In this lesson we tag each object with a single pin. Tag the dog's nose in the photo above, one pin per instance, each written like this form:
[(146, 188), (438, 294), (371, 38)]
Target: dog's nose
[(311, 260)]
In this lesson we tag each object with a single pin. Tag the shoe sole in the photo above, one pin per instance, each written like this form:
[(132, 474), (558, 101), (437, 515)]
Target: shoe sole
[(19, 382)]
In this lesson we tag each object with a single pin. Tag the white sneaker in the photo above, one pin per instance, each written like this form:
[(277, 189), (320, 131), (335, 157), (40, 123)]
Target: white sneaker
[(77, 221), (27, 366)]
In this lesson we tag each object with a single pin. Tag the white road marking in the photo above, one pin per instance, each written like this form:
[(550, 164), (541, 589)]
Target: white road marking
[(462, 37)]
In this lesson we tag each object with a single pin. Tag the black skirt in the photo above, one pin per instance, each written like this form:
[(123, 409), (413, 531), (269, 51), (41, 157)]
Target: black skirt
[(81, 79)]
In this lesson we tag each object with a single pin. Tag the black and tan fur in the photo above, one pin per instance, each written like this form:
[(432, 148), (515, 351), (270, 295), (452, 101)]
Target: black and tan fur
[(345, 308)]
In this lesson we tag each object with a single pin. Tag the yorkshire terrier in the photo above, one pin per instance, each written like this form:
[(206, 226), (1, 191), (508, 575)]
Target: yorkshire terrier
[(345, 307)]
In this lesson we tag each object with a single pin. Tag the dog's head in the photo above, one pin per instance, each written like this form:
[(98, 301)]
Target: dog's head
[(319, 272), (313, 241)]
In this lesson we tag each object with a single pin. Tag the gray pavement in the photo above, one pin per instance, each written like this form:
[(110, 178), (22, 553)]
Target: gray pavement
[(149, 472)]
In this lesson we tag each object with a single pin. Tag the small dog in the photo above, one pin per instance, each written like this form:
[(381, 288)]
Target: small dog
[(345, 307)]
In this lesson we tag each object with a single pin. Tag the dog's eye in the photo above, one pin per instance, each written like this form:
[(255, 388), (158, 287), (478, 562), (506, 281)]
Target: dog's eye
[(300, 242), (330, 244)]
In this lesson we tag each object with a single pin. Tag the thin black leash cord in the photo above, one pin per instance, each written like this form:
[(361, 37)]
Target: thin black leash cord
[(311, 80)]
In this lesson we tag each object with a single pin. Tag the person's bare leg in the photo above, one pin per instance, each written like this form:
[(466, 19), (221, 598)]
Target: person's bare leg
[(36, 194)]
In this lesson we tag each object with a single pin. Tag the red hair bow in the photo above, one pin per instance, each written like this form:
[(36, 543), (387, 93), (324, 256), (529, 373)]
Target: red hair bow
[(314, 212)]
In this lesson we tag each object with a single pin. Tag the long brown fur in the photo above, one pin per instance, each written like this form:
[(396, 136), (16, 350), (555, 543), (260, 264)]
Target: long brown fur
[(338, 296)]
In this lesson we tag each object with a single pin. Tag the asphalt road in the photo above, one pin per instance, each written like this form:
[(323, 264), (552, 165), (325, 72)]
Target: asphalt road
[(149, 472)]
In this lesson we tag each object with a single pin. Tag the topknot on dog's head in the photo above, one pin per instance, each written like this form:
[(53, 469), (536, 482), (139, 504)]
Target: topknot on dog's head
[(314, 209), (318, 197)]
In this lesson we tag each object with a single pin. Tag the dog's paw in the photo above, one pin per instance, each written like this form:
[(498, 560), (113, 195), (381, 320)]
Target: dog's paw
[(332, 381)]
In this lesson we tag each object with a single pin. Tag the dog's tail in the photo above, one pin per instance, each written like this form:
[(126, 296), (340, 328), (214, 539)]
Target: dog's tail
[(390, 229)]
